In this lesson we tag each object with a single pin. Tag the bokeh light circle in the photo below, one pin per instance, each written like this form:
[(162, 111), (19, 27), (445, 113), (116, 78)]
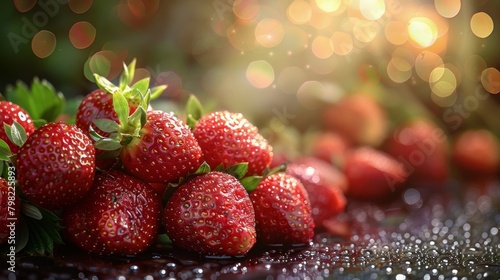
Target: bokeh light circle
[(342, 43), (423, 31), (246, 9), (448, 8), (43, 43), (396, 32), (299, 12), (24, 5), (372, 9), (309, 94), (442, 82), (260, 73), (490, 79), (425, 63), (80, 6), (82, 34), (481, 24), (321, 47), (269, 32), (328, 6)]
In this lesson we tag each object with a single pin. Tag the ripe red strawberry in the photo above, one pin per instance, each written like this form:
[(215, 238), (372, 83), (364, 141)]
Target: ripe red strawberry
[(120, 215), (325, 185), (282, 211), (228, 138), (10, 112), (10, 205), (372, 175), (165, 150), (358, 118), (422, 148), (329, 146), (56, 165), (211, 214), (476, 153)]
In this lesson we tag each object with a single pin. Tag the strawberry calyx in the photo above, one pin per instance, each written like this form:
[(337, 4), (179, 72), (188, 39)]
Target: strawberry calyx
[(194, 111), (17, 135)]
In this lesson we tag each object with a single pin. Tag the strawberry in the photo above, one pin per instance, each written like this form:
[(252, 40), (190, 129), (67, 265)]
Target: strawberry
[(422, 148), (476, 153), (372, 174), (120, 215), (164, 151), (329, 146), (282, 211), (325, 185), (358, 118), (228, 138), (10, 112), (211, 214), (56, 165), (10, 205)]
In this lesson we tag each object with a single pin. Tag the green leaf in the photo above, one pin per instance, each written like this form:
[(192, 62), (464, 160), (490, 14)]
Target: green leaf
[(127, 75), (202, 169), (106, 125), (277, 169), (194, 111), (43, 233), (105, 84), (141, 85), (41, 101), (107, 144), (121, 107), (138, 119), (39, 122), (250, 183), (157, 91), (15, 133), (5, 151), (238, 170), (30, 210)]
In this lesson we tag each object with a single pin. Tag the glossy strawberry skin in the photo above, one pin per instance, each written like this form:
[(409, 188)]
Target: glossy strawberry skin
[(372, 175), (165, 151), (56, 165), (228, 138), (211, 214), (325, 185), (10, 205), (120, 216), (282, 211), (10, 112)]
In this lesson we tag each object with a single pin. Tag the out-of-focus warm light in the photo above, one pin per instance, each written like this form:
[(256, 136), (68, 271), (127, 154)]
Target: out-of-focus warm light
[(481, 25), (372, 9), (269, 32), (321, 47), (448, 8), (309, 94), (43, 43), (365, 31), (423, 31), (473, 67), (246, 9), (242, 36), (490, 79), (426, 62), (290, 79), (299, 12), (82, 34), (396, 32), (79, 6), (342, 43), (328, 6), (260, 73), (442, 82), (399, 70), (24, 5)]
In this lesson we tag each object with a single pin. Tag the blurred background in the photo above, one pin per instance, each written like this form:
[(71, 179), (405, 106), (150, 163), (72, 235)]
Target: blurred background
[(278, 62)]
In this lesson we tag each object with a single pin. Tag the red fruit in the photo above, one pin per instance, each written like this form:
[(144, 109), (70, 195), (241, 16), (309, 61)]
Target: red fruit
[(165, 151), (282, 211), (10, 112), (358, 118), (476, 153), (329, 146), (372, 175), (10, 205), (325, 185), (422, 148), (56, 165), (99, 105), (211, 214), (120, 215), (228, 138)]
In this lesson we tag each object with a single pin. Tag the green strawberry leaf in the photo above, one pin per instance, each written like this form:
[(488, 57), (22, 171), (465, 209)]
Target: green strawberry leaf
[(30, 210), (39, 122), (277, 169), (15, 133), (141, 85), (107, 144), (202, 169), (250, 183), (105, 84), (121, 107), (137, 120), (5, 151), (194, 111), (127, 75), (41, 101), (238, 170), (106, 125), (157, 91)]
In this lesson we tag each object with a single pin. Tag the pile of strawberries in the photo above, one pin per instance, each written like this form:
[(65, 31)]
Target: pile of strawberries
[(125, 173)]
